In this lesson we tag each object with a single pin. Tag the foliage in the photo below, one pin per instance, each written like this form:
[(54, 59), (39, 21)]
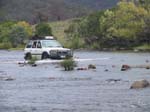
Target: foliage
[(35, 11), (76, 43), (143, 47), (5, 28), (68, 64), (18, 35), (58, 31), (43, 29), (144, 3), (27, 27), (32, 60), (81, 30), (126, 25), (89, 26), (13, 34), (5, 45)]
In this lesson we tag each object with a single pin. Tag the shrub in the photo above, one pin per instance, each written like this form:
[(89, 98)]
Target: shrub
[(32, 60), (7, 45), (18, 35), (76, 43), (68, 64)]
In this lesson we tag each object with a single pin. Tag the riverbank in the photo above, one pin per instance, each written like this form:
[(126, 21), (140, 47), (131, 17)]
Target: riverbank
[(141, 48)]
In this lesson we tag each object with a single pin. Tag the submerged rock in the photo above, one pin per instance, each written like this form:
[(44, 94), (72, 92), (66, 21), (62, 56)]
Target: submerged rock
[(113, 80), (140, 84), (106, 70), (34, 65), (125, 67), (91, 66), (147, 61), (9, 79), (81, 68)]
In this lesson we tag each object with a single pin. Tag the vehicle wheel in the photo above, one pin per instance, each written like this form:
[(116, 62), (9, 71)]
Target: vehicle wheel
[(28, 56), (45, 56)]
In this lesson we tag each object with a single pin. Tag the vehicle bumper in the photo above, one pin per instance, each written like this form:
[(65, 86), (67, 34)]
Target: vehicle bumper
[(61, 54)]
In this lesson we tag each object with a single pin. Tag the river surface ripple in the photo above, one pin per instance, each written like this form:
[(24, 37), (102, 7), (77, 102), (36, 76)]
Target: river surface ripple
[(47, 88)]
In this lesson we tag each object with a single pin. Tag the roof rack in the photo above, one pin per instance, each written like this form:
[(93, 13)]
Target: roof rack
[(49, 37), (36, 37)]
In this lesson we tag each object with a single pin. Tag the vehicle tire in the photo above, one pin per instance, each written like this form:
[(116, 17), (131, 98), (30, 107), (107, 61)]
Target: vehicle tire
[(28, 56), (45, 55)]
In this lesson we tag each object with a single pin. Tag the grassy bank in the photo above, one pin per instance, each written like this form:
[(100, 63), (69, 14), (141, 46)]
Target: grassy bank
[(144, 47), (58, 30)]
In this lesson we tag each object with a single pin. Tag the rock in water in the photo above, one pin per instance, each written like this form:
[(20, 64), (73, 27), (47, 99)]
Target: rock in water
[(81, 68), (125, 67), (91, 66), (140, 84)]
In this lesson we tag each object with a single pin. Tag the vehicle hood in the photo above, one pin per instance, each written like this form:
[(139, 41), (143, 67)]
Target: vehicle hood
[(58, 48)]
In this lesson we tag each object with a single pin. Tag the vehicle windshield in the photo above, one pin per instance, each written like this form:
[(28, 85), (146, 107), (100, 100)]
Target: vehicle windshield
[(51, 43)]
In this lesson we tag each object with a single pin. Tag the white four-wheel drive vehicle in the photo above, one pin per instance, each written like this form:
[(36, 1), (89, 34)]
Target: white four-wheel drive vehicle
[(45, 48)]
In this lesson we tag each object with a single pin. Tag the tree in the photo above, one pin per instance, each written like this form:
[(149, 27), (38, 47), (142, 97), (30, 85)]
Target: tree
[(18, 35), (5, 28), (145, 3), (123, 23), (144, 35), (43, 29), (27, 27)]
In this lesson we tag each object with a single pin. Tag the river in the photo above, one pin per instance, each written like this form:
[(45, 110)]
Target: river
[(48, 88)]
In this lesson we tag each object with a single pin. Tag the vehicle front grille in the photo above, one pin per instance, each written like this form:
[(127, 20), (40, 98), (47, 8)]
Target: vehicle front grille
[(64, 53)]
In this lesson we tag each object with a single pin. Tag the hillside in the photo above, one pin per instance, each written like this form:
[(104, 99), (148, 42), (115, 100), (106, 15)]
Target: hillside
[(94, 4), (35, 11)]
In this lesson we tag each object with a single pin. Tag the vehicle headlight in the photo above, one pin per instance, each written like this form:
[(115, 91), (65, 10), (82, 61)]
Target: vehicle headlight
[(70, 53)]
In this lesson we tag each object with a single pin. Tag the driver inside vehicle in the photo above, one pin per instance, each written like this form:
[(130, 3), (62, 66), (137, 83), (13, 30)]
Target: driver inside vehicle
[(34, 45), (39, 45)]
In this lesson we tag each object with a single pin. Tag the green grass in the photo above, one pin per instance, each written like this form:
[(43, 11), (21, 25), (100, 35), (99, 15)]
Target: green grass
[(16, 49), (143, 47), (58, 29)]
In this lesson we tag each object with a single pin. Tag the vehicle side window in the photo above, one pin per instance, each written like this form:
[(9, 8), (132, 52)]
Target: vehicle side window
[(34, 44), (29, 45), (39, 45)]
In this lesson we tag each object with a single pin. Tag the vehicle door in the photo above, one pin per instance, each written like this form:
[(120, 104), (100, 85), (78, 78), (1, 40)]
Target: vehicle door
[(36, 48), (39, 48), (33, 50)]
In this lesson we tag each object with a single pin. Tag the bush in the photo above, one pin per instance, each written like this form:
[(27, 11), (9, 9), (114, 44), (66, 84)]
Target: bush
[(68, 64), (5, 45), (76, 43), (95, 46), (18, 35), (32, 61)]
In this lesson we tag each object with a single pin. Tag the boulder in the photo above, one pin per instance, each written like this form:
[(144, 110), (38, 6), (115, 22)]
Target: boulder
[(147, 67), (140, 84)]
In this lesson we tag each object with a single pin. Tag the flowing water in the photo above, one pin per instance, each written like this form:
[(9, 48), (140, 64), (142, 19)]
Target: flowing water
[(48, 88)]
